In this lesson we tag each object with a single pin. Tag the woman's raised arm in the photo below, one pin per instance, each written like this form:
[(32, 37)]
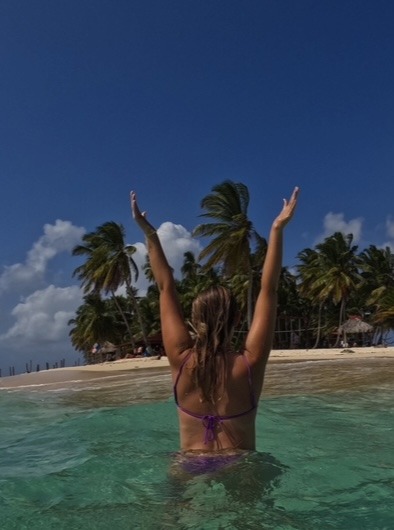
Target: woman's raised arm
[(259, 339), (176, 336)]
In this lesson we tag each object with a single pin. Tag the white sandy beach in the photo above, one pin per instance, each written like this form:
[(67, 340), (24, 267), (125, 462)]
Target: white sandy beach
[(276, 356), (340, 369), (129, 365)]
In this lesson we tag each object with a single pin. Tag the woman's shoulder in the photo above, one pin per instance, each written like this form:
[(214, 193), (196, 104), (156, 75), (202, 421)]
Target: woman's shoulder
[(182, 358)]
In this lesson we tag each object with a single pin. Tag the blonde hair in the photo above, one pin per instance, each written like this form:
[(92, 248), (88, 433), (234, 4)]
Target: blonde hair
[(213, 318)]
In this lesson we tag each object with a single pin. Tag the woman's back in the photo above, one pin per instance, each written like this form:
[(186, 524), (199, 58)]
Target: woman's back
[(229, 423)]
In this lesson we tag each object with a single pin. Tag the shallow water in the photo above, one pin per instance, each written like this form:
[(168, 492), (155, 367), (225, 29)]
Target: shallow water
[(100, 454)]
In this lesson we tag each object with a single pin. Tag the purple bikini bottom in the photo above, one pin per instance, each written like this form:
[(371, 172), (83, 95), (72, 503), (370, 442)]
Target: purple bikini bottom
[(203, 464)]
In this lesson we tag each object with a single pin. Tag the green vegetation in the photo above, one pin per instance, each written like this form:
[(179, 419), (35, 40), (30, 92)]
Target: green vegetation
[(331, 282)]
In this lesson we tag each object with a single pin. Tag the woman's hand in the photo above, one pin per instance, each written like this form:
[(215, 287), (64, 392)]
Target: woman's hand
[(140, 217), (287, 211)]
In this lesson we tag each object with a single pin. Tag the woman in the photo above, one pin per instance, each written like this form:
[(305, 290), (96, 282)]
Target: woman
[(216, 389)]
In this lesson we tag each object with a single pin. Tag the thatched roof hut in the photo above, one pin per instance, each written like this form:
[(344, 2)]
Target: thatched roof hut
[(108, 347), (355, 325), (107, 352)]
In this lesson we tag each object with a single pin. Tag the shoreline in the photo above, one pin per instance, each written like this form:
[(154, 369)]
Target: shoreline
[(124, 366)]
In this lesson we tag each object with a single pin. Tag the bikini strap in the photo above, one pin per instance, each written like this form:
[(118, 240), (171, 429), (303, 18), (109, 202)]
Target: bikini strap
[(178, 376), (209, 421), (250, 381)]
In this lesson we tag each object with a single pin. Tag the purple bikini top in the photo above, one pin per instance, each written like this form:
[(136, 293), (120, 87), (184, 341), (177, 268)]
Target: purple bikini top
[(209, 421)]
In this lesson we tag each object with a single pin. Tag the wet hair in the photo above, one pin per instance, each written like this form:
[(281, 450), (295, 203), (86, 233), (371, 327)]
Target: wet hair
[(214, 313)]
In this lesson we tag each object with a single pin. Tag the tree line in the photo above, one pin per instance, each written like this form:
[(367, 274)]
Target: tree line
[(331, 282)]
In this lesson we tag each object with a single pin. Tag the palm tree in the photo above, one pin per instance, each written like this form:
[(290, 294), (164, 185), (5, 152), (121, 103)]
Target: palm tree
[(232, 232), (109, 265), (330, 272), (146, 267), (94, 322), (384, 316), (149, 307), (339, 264), (293, 310), (310, 286), (190, 267), (195, 279), (377, 266)]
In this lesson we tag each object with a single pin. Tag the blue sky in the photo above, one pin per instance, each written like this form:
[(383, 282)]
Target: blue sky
[(170, 98)]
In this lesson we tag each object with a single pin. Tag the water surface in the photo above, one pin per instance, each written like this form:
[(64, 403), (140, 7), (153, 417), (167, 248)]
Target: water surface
[(99, 453)]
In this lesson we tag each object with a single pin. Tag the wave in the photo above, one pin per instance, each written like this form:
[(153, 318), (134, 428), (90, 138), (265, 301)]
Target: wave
[(86, 384)]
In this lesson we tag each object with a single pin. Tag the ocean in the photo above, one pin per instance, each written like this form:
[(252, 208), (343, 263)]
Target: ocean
[(100, 452)]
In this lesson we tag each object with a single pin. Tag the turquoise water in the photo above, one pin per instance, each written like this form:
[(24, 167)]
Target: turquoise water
[(100, 455)]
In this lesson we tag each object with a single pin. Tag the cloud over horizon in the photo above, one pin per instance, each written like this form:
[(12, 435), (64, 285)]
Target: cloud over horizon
[(335, 222), (176, 240), (43, 316), (59, 237)]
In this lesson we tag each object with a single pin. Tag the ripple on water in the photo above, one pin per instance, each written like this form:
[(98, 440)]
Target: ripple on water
[(100, 456)]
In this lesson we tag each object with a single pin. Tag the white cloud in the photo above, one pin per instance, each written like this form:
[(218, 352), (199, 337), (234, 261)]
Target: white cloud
[(335, 222), (43, 316), (59, 237), (176, 240), (390, 227)]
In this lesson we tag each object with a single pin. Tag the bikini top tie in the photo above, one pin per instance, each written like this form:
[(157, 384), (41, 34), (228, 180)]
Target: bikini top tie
[(209, 421)]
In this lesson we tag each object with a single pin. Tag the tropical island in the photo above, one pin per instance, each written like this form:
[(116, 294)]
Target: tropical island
[(337, 296)]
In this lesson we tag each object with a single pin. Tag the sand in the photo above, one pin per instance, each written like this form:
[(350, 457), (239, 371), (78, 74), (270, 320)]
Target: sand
[(127, 365), (276, 356)]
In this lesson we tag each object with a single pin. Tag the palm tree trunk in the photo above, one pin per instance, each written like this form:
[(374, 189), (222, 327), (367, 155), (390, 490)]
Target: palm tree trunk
[(341, 315), (138, 313), (124, 320), (318, 326)]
